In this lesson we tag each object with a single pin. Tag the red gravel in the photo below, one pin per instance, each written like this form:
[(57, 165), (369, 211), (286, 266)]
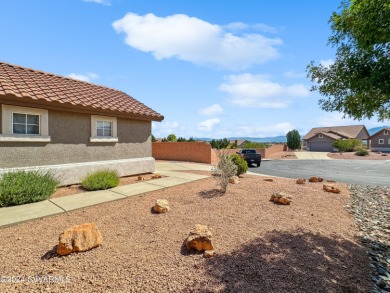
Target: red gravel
[(352, 156), (308, 246)]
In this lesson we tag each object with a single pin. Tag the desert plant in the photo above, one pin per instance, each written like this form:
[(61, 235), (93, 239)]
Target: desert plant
[(22, 187), (224, 169), (293, 140), (242, 165), (361, 152), (103, 179), (347, 145)]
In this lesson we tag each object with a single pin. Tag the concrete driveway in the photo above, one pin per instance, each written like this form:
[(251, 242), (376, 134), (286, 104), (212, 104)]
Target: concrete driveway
[(347, 171), (306, 155)]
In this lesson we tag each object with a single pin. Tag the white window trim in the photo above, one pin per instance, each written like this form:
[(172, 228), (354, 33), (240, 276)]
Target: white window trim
[(95, 138), (320, 135), (386, 132), (388, 141), (381, 141), (7, 127)]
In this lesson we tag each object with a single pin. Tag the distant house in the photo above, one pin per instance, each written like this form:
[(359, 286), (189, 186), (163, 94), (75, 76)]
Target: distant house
[(380, 141), (321, 138), (71, 127), (240, 142)]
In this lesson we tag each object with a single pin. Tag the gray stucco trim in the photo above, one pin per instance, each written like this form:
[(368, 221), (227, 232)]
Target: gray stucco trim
[(74, 173)]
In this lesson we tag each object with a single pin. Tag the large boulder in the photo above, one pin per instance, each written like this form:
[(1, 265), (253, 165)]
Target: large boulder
[(315, 179), (301, 181), (79, 238), (161, 206), (199, 239), (234, 180), (281, 198), (330, 188)]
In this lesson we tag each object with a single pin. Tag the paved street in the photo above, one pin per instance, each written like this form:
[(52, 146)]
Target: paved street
[(348, 171)]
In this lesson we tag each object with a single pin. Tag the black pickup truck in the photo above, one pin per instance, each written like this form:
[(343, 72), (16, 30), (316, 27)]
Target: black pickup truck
[(250, 156)]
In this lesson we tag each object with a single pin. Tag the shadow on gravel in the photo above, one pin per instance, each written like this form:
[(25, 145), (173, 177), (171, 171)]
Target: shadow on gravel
[(285, 262), (52, 253), (211, 193)]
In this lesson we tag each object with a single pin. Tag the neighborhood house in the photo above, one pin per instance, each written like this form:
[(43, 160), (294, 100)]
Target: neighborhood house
[(321, 139), (380, 141), (71, 127)]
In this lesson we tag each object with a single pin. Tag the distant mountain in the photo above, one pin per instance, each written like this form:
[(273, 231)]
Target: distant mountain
[(255, 139), (371, 131)]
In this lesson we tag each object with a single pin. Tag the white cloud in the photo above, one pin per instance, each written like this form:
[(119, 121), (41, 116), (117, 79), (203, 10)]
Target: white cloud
[(163, 129), (208, 124), (293, 74), (195, 40), (248, 90), (327, 63), (264, 130), (84, 77), (238, 26), (211, 111), (104, 2), (336, 119)]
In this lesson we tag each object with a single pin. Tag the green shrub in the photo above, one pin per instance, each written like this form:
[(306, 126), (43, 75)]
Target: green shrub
[(103, 179), (347, 145), (361, 152), (242, 165), (26, 187)]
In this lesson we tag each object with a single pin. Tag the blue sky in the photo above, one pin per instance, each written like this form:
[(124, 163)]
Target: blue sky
[(212, 68)]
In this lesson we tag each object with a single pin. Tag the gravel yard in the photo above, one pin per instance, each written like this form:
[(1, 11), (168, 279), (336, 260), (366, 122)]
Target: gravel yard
[(308, 246), (353, 156)]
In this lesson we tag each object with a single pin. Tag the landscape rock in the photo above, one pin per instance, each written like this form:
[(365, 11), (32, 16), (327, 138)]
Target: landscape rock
[(79, 238), (384, 155), (140, 177), (268, 179), (315, 179), (209, 253), (281, 198), (161, 206), (199, 239), (234, 180), (301, 181), (155, 176), (331, 181), (330, 188)]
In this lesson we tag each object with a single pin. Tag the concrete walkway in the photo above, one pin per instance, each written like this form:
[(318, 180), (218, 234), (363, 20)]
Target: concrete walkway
[(306, 155), (17, 214)]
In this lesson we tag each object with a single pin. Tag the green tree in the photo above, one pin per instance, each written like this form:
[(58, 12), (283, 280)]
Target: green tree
[(191, 139), (357, 84), (181, 139), (347, 145), (153, 138), (253, 145), (293, 140), (171, 138), (219, 143)]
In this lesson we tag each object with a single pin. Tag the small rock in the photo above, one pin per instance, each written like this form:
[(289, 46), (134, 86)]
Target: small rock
[(155, 176), (281, 198), (161, 206), (268, 179), (330, 188), (234, 180), (384, 155), (301, 181), (331, 181), (209, 253), (140, 177), (79, 238), (199, 239), (316, 179)]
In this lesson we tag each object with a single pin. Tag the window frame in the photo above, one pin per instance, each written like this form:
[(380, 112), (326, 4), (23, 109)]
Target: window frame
[(385, 132), (94, 137), (7, 118), (39, 123), (381, 141), (320, 135)]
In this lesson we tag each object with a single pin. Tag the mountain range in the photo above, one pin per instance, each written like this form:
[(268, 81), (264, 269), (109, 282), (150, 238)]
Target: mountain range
[(279, 139)]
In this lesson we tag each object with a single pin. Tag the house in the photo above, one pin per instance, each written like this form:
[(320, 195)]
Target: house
[(380, 141), (71, 127), (321, 138), (240, 142)]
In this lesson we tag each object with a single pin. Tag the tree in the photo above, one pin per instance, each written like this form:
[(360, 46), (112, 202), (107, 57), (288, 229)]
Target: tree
[(191, 139), (219, 143), (254, 145), (293, 140), (153, 138), (181, 139), (171, 138), (357, 84)]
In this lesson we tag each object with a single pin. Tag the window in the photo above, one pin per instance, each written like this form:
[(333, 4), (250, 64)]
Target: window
[(381, 141), (24, 124), (386, 132), (103, 129), (320, 135)]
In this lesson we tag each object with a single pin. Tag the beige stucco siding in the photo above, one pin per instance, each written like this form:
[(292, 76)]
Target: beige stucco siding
[(70, 133), (362, 135), (374, 142)]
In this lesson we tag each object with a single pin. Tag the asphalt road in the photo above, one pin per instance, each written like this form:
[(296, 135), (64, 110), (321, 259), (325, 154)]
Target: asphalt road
[(347, 171)]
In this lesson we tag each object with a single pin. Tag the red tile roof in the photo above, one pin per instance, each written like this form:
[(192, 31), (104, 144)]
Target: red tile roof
[(30, 84), (337, 131)]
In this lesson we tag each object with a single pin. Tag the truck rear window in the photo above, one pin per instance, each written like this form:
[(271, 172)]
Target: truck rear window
[(249, 151)]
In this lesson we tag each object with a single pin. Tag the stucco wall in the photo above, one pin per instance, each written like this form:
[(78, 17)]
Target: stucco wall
[(374, 142), (182, 151), (324, 139), (70, 133)]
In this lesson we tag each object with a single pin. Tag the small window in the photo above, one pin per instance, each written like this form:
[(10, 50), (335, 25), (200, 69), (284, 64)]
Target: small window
[(104, 128), (388, 142), (320, 135), (381, 141), (25, 124), (386, 132)]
